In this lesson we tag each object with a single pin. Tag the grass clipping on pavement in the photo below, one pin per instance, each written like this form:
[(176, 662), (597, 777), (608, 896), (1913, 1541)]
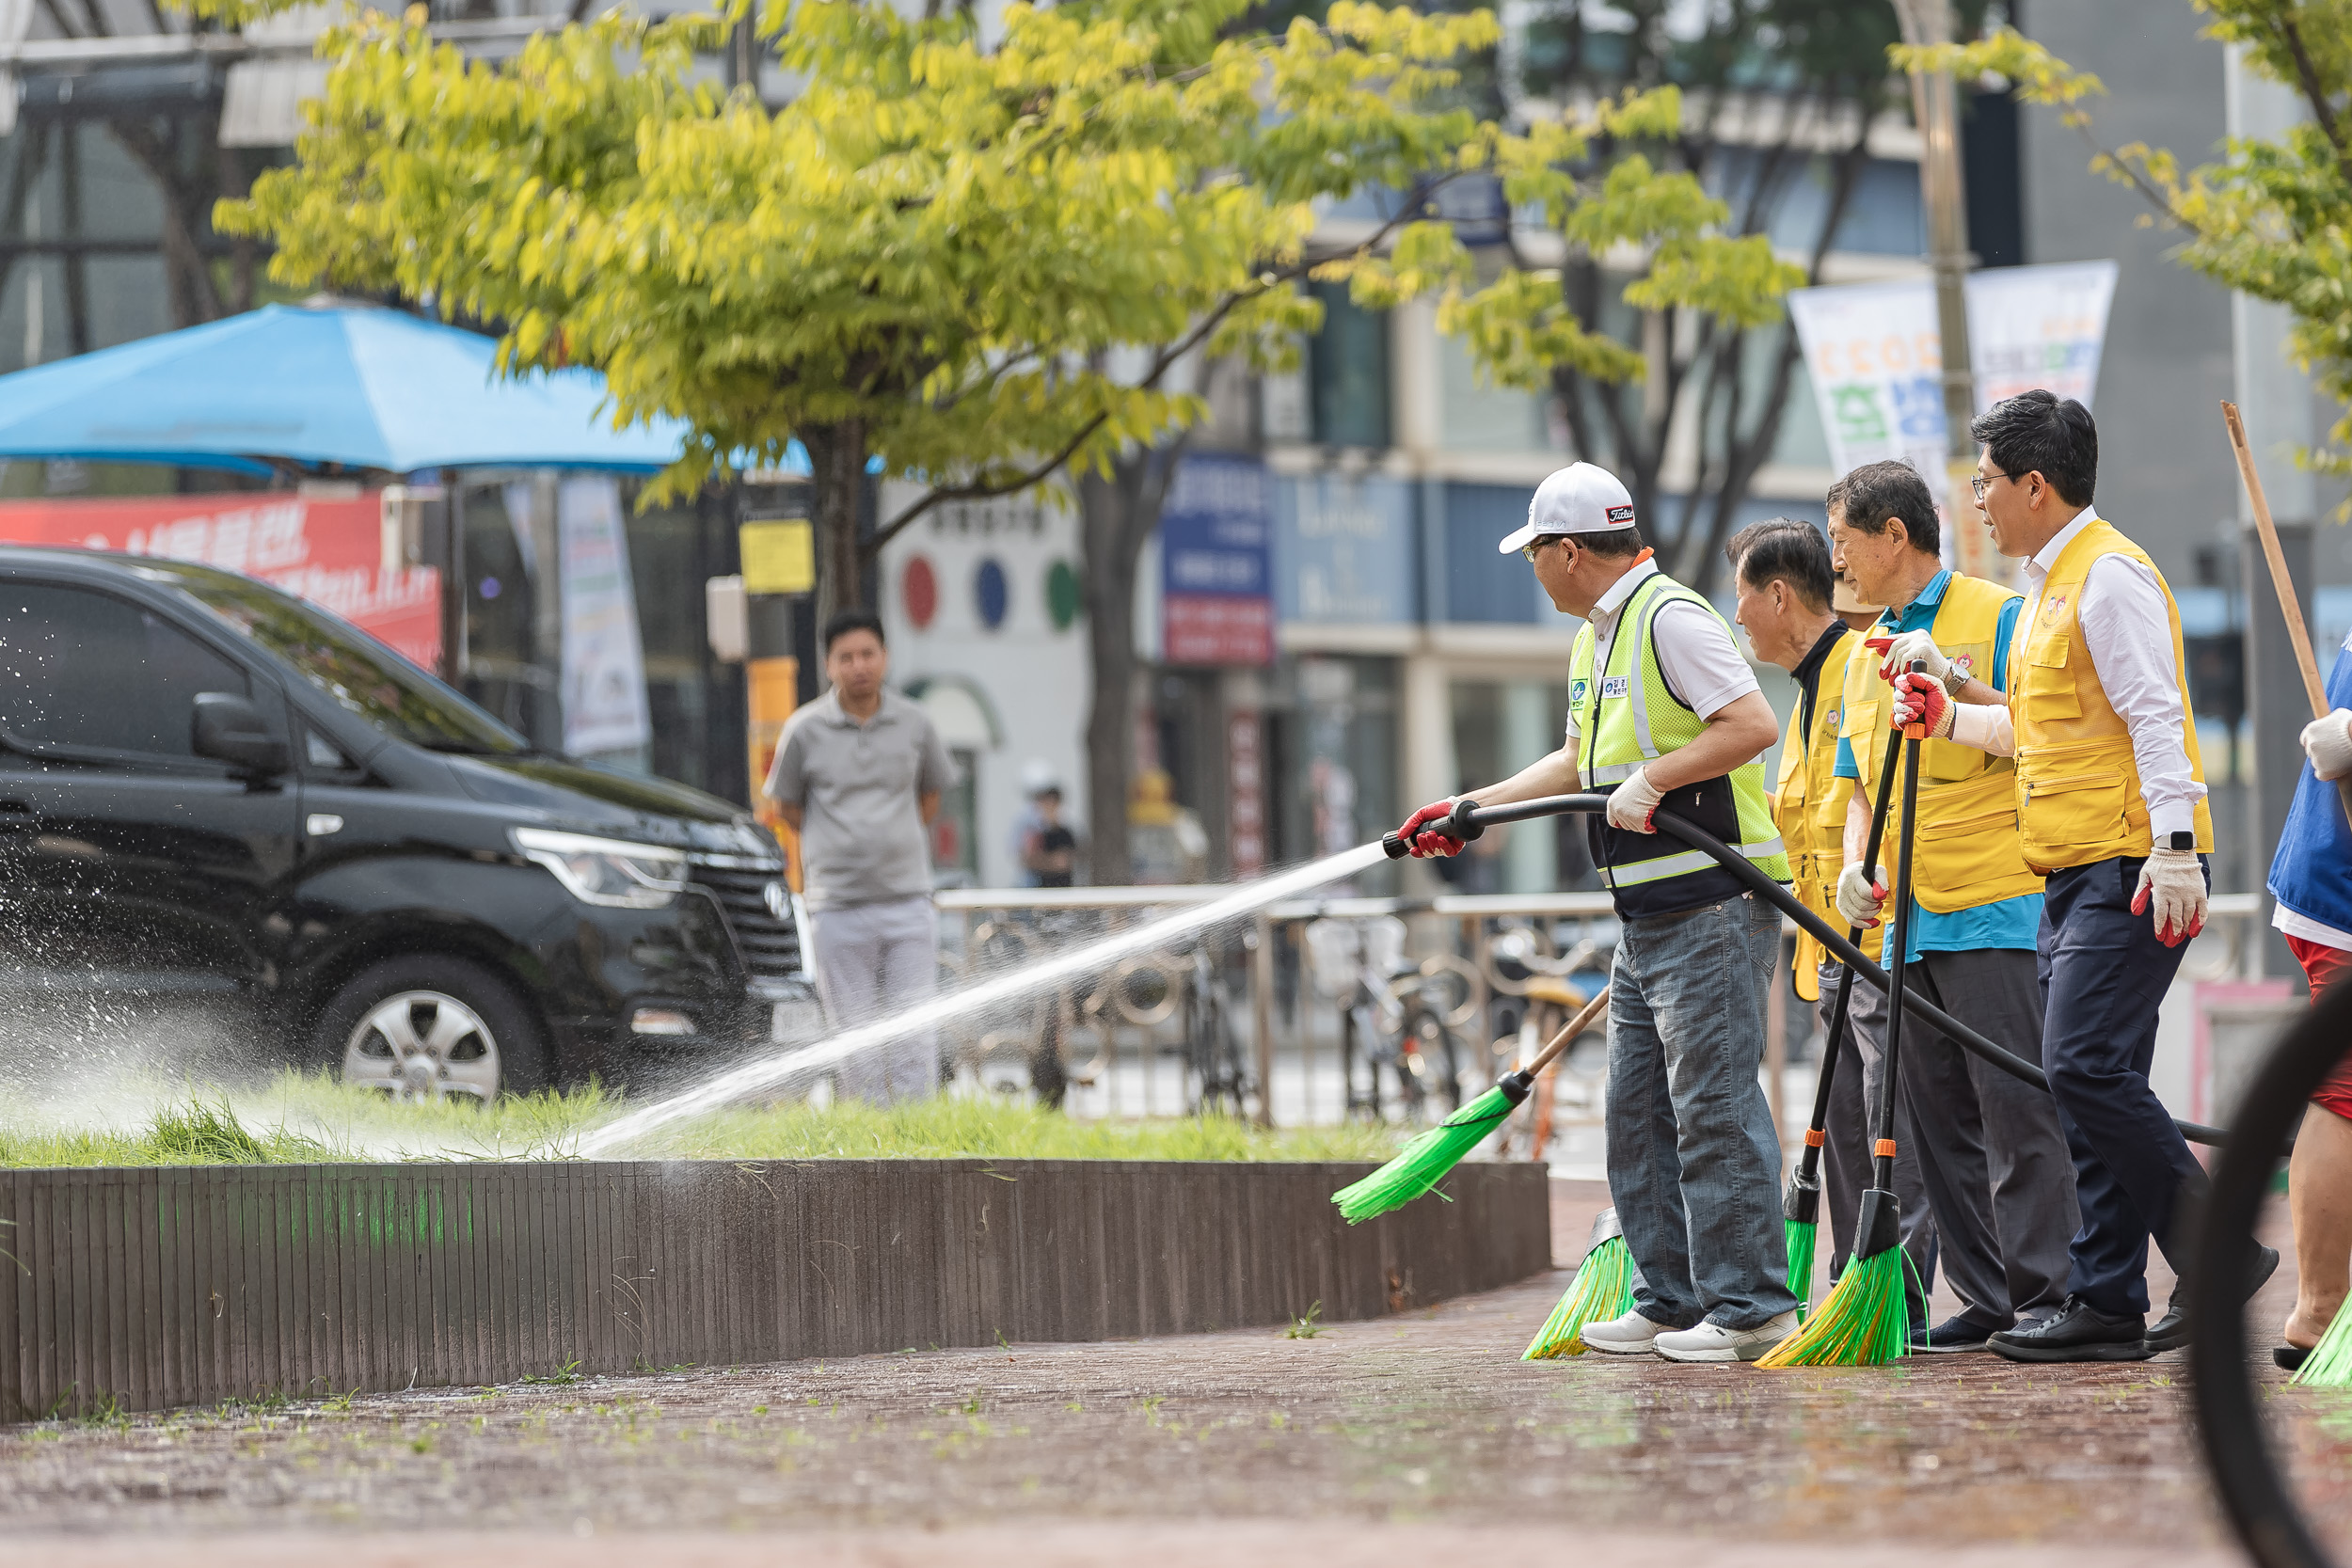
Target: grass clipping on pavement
[(307, 1119)]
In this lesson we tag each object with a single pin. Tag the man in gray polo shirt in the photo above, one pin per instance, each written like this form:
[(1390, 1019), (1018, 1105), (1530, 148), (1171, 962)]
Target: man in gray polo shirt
[(858, 775)]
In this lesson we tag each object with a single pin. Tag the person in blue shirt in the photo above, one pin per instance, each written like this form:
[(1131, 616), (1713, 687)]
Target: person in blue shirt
[(2311, 878), (1993, 1154)]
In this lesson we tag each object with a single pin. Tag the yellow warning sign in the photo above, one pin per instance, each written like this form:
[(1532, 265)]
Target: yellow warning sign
[(779, 557)]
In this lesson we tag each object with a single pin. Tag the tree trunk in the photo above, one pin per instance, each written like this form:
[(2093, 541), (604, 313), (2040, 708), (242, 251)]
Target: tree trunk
[(1105, 513), (836, 457)]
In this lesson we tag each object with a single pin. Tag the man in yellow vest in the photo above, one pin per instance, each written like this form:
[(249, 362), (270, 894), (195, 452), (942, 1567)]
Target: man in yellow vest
[(1664, 712), (2111, 808), (1991, 1156), (1785, 600)]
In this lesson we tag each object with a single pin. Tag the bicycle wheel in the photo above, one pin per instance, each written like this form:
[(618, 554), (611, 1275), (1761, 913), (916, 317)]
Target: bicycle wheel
[(2234, 1417), (1441, 1056)]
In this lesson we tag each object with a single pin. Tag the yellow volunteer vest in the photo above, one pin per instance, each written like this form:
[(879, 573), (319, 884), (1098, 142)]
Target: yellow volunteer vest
[(1810, 806), (1968, 851), (2078, 795)]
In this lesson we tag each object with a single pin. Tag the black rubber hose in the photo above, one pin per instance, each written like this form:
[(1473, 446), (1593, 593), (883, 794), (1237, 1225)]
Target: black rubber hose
[(1470, 821)]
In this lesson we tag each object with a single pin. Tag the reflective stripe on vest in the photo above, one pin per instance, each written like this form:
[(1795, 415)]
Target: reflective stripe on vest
[(1641, 720), (1968, 851), (2078, 800), (1809, 804)]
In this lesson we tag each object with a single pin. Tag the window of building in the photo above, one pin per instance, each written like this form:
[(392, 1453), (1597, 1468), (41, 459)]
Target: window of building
[(1347, 364)]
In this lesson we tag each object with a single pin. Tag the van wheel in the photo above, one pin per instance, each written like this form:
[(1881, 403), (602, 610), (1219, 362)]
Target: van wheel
[(427, 1027)]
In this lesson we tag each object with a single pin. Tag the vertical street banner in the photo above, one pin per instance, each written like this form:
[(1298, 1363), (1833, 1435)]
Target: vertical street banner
[(1876, 355), (326, 550), (1216, 602), (604, 661)]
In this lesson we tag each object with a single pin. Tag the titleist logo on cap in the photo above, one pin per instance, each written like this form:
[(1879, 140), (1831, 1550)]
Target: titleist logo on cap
[(1621, 514)]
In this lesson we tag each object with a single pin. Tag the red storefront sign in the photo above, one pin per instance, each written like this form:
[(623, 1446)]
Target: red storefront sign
[(1214, 628), (1244, 799), (329, 552)]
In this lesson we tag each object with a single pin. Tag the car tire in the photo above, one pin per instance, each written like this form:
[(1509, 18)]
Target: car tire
[(428, 1026)]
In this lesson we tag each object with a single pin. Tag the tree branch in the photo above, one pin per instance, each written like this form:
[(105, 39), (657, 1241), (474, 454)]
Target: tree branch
[(1162, 363), (2315, 94)]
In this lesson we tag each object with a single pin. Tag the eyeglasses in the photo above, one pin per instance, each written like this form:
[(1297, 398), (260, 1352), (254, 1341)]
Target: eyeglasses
[(1535, 546), (1979, 484)]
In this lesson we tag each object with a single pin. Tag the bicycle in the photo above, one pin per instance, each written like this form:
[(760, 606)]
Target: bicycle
[(1397, 1038)]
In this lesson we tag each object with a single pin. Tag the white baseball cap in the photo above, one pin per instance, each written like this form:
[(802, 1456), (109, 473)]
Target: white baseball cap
[(1578, 498)]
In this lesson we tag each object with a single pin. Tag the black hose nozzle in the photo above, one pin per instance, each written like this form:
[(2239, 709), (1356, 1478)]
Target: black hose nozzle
[(1461, 823)]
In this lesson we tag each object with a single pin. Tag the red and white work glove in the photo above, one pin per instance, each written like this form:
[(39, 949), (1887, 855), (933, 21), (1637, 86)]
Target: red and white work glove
[(1859, 897), (1420, 840), (1907, 648), (1919, 699), (2174, 883), (1633, 802), (2328, 743)]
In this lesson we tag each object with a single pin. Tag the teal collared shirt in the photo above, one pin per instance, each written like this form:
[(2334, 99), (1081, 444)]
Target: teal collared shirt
[(2011, 921)]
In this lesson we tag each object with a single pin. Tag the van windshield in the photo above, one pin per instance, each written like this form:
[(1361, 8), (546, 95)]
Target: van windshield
[(357, 671)]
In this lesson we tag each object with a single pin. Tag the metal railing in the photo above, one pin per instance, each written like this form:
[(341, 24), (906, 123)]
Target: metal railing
[(1121, 1034)]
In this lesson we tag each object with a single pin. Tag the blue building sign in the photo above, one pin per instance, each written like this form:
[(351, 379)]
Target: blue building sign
[(1344, 550), (1214, 575)]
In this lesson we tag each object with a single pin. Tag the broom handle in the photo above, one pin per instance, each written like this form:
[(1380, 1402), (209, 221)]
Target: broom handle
[(1560, 1042), (1882, 1152), (2283, 582), (1809, 1163)]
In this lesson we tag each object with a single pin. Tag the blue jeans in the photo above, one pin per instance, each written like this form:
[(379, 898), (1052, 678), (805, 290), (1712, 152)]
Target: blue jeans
[(1693, 1157)]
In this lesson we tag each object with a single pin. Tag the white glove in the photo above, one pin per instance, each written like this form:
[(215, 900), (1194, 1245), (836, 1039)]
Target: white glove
[(1631, 803), (2328, 743), (1906, 648), (2173, 881), (1859, 898)]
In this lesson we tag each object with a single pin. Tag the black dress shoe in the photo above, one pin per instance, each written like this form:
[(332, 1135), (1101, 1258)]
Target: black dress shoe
[(2079, 1332), (2289, 1358), (2170, 1332)]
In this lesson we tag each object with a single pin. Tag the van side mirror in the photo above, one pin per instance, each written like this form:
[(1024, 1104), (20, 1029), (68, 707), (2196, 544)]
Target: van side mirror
[(228, 728)]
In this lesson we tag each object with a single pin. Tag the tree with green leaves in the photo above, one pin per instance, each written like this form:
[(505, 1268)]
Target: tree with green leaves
[(921, 266), (1649, 310), (2269, 217)]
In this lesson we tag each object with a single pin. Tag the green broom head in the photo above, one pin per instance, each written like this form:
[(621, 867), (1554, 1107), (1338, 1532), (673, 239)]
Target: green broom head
[(1800, 1211), (1601, 1292), (1429, 1158), (2330, 1364), (1866, 1319)]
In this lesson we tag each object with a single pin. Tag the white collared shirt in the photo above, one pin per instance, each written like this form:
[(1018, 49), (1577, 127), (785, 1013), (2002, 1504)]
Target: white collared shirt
[(1695, 653), (2128, 635)]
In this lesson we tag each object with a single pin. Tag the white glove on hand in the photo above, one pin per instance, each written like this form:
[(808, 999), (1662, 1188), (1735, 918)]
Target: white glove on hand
[(1859, 898), (2173, 881), (1631, 803), (1906, 648), (2328, 743)]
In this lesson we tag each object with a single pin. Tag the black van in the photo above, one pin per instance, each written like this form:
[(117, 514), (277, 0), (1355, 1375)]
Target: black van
[(213, 791)]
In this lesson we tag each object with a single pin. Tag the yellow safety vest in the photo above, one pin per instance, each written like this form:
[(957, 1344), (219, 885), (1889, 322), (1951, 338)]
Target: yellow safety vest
[(1968, 851), (1809, 805), (2077, 781)]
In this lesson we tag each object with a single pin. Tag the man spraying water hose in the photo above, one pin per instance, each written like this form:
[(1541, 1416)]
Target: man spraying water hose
[(1989, 1152), (2111, 808), (1664, 712)]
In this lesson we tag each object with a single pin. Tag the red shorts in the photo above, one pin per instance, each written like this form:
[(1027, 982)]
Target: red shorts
[(2324, 966)]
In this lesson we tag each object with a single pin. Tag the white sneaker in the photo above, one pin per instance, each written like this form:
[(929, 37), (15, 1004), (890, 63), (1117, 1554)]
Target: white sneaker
[(1713, 1343), (1631, 1335)]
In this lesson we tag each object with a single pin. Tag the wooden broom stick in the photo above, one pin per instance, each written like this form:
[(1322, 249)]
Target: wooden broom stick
[(2283, 583)]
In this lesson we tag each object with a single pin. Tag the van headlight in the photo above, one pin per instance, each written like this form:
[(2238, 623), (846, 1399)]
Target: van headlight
[(607, 871)]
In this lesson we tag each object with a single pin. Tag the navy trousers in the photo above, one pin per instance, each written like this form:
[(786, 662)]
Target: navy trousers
[(2104, 974)]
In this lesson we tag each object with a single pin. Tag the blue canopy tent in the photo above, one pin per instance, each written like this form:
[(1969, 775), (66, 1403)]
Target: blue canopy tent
[(358, 386)]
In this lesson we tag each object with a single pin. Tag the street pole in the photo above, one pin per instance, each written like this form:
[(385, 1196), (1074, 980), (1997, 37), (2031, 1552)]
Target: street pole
[(1935, 104)]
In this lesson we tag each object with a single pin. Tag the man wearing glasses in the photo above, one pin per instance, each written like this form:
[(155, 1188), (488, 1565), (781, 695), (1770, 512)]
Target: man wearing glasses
[(1664, 712), (2111, 810)]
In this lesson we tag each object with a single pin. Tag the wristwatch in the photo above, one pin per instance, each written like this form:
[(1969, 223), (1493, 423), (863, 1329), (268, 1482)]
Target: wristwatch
[(1955, 676), (2183, 841)]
